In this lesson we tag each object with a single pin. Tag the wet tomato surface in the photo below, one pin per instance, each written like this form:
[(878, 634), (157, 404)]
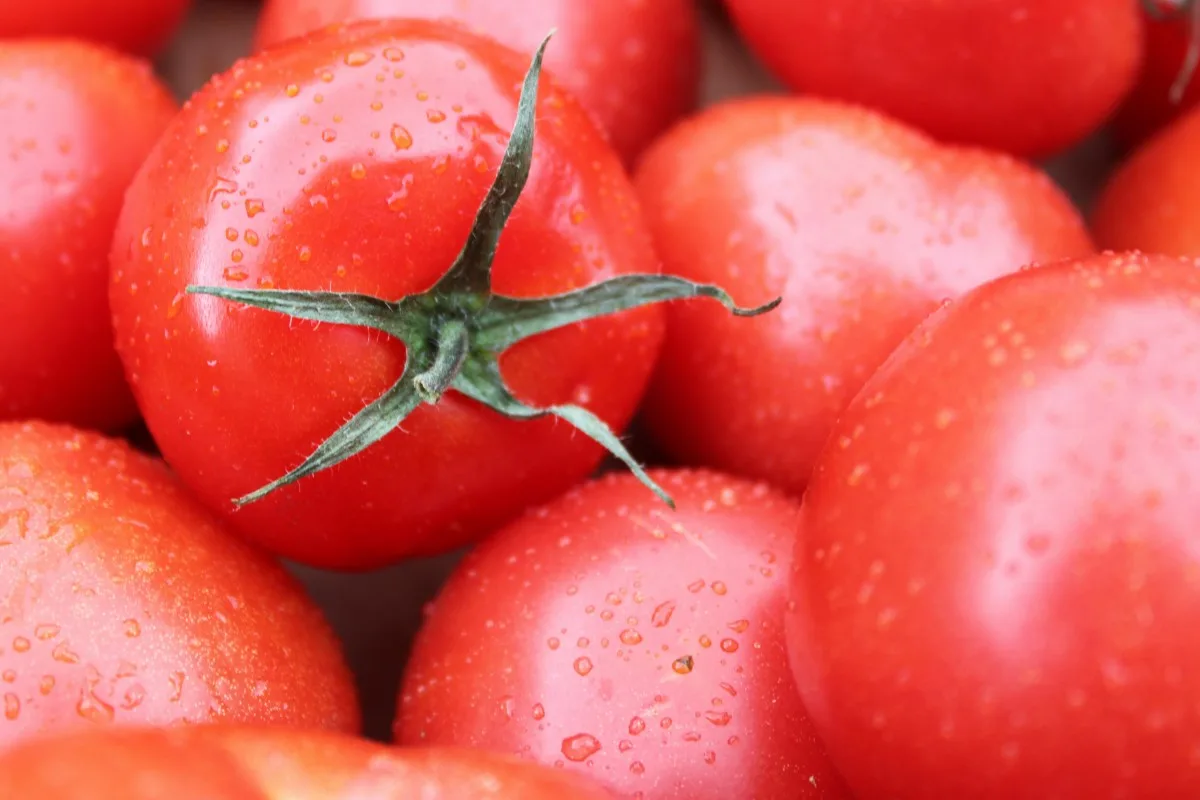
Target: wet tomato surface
[(610, 636), (123, 602), (996, 580), (862, 224)]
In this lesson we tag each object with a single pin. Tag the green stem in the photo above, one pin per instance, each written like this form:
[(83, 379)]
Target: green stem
[(453, 343)]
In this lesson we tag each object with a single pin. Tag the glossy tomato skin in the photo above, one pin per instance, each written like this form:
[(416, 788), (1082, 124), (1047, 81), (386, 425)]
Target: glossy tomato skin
[(1152, 201), (607, 635), (78, 120), (995, 585), (137, 26), (123, 602), (1149, 107), (354, 160), (634, 64), (246, 763), (861, 224), (1026, 78)]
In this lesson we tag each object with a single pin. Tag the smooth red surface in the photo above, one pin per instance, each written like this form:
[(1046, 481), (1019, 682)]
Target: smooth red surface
[(1152, 201), (355, 161), (138, 26), (861, 224), (997, 582), (236, 763), (77, 122), (610, 636), (1027, 77), (123, 602), (634, 64), (1149, 107)]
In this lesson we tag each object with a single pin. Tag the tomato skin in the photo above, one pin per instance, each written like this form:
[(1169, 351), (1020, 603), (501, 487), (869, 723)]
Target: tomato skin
[(78, 119), (370, 189), (634, 64), (862, 225), (1152, 201), (1053, 70), (995, 586), (640, 646), (1148, 107), (241, 763), (137, 26), (125, 603)]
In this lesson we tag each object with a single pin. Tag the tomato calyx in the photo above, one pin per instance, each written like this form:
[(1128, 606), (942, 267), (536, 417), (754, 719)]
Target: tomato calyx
[(455, 332), (1166, 10)]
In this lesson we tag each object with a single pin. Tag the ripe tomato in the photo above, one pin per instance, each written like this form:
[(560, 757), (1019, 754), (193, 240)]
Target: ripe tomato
[(634, 64), (996, 585), (78, 120), (352, 160), (1152, 201), (1027, 78), (124, 602), (626, 642), (861, 223), (139, 26), (1150, 106), (235, 763)]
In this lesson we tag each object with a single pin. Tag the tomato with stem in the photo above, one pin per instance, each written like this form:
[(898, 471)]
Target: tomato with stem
[(444, 376), (996, 583), (124, 602), (78, 120)]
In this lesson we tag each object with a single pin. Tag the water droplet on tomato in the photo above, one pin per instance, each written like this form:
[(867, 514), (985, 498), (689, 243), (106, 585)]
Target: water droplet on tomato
[(636, 726), (662, 613), (718, 718), (539, 711), (12, 706), (132, 628), (637, 768), (630, 637), (583, 665), (729, 645), (683, 665), (580, 746), (358, 58), (254, 206)]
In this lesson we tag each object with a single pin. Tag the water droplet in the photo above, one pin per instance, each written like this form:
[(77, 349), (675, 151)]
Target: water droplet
[(583, 665), (695, 586), (176, 679), (683, 665), (93, 709), (132, 628), (507, 704), (63, 653), (134, 696), (9, 675), (692, 736), (581, 746), (234, 274), (718, 718), (46, 684), (704, 640), (329, 135), (44, 632), (552, 643), (305, 252), (637, 768), (636, 726), (231, 234), (728, 688), (358, 171), (12, 706), (710, 757), (251, 237), (578, 215), (222, 145), (393, 54), (254, 206), (718, 587), (662, 614), (624, 745), (435, 116), (539, 711), (292, 90), (358, 58), (630, 637), (729, 645)]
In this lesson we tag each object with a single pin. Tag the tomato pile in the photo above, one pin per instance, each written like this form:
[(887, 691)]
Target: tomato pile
[(803, 444)]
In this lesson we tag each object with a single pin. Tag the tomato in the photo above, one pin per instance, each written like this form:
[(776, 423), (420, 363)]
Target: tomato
[(138, 26), (615, 638), (861, 223), (1151, 104), (634, 64), (1152, 202), (996, 584), (352, 161), (78, 120), (236, 763), (1027, 78), (124, 602)]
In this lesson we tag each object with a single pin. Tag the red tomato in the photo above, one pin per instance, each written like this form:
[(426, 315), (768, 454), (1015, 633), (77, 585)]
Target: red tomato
[(861, 223), (1150, 105), (634, 64), (353, 161), (78, 120), (1029, 78), (996, 585), (624, 641), (124, 602), (234, 763), (139, 26), (1152, 201)]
